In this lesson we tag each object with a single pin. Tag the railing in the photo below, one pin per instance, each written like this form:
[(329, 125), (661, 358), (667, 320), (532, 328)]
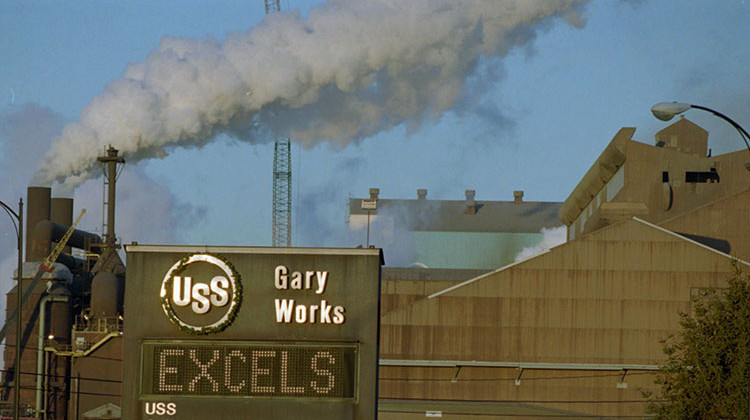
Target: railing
[(102, 325), (88, 334), (25, 411)]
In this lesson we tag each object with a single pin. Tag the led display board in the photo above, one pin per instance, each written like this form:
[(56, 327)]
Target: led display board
[(249, 369), (236, 333)]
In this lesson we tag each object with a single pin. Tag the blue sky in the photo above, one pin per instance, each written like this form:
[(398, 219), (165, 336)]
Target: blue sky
[(533, 119)]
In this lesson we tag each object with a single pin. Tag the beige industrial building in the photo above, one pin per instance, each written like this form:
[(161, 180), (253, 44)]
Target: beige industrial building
[(575, 331)]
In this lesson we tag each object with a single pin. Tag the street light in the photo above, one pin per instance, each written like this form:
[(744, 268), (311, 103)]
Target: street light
[(19, 292), (665, 111)]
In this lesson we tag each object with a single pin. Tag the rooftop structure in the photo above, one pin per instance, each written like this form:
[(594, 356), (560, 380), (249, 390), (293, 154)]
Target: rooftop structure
[(458, 234), (676, 183)]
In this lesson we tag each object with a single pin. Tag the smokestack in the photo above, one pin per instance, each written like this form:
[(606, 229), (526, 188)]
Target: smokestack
[(111, 161), (374, 192), (61, 212), (37, 209), (518, 196), (421, 194), (471, 205)]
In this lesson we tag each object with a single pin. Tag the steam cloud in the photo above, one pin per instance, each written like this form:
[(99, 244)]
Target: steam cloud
[(348, 70), (551, 237)]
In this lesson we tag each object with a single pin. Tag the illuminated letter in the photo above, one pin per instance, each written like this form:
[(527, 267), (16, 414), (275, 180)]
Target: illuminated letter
[(322, 280), (204, 370), (323, 372), (285, 376), (181, 295), (228, 371), (201, 304), (219, 295), (280, 278), (296, 282), (284, 309), (150, 408), (338, 315), (300, 314), (258, 371), (313, 313), (325, 312), (164, 370), (308, 279)]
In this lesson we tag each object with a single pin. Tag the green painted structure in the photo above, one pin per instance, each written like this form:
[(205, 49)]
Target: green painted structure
[(455, 234)]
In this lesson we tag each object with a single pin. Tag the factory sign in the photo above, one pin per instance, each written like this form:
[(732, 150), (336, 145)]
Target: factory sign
[(188, 301), (234, 332)]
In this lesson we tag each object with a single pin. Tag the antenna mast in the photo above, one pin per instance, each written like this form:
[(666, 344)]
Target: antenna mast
[(282, 176)]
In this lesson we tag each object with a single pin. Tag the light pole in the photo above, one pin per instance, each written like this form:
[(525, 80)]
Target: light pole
[(19, 292), (665, 111)]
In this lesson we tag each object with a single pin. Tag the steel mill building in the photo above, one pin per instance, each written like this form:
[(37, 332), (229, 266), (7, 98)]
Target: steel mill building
[(575, 331), (469, 326)]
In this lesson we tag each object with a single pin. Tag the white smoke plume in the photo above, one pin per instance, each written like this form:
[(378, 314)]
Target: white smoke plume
[(551, 237), (346, 71)]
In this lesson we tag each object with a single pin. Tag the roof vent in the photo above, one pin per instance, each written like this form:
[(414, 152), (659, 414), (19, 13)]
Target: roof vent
[(471, 205), (421, 194), (374, 192), (518, 196)]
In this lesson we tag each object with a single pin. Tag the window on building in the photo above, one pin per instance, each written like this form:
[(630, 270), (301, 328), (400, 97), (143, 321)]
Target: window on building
[(702, 176)]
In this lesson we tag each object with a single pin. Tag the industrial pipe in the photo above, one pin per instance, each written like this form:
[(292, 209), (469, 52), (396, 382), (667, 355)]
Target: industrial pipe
[(40, 346), (47, 232)]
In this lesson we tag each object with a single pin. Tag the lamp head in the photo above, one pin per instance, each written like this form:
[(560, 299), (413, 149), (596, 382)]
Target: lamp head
[(666, 110)]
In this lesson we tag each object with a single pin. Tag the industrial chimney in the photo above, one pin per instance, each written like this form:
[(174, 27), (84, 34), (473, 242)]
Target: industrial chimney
[(110, 179)]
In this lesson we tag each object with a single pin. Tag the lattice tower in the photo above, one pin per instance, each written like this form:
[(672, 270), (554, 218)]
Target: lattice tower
[(282, 193), (272, 6), (282, 177)]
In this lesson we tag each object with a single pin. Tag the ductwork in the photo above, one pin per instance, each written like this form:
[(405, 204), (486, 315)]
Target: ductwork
[(47, 232), (47, 220), (608, 163)]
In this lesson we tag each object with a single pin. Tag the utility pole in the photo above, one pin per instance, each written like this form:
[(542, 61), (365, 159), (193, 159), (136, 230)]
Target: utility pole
[(19, 314)]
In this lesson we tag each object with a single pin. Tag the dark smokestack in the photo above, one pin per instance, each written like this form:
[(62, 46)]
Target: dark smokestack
[(111, 161), (38, 209), (374, 192), (421, 194), (61, 212), (518, 196)]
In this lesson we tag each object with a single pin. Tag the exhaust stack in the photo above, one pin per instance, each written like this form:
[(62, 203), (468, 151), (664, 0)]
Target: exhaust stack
[(38, 203), (110, 173)]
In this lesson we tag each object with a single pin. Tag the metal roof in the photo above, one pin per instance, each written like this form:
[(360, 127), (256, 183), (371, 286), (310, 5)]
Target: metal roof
[(459, 216)]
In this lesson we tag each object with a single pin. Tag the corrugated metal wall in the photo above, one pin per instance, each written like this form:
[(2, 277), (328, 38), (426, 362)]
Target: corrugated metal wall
[(607, 298)]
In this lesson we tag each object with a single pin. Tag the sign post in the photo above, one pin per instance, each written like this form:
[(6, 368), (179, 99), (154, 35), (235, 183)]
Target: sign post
[(237, 333)]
